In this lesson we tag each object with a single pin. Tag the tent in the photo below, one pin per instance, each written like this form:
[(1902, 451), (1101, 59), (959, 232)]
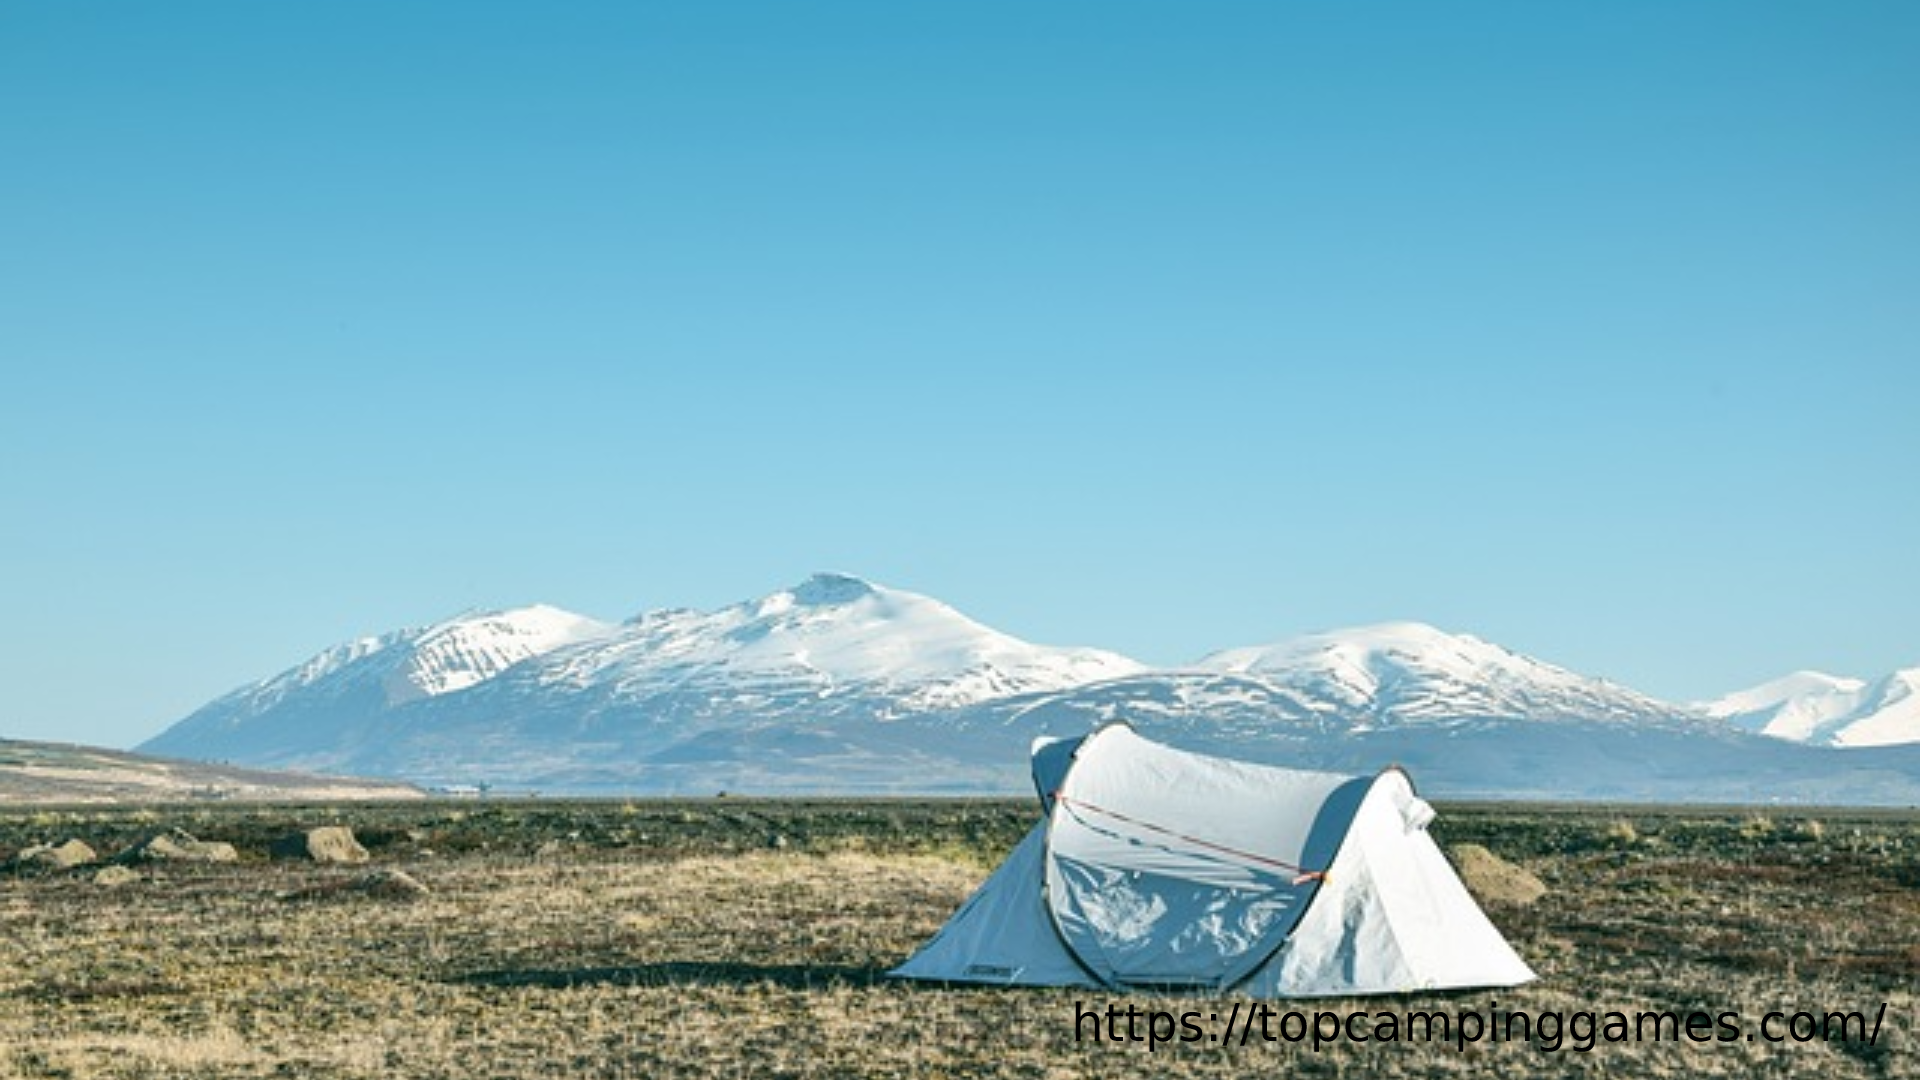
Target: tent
[(1157, 868)]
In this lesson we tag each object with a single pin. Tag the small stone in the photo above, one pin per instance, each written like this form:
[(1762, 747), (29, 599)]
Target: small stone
[(391, 885), (174, 845), (112, 877)]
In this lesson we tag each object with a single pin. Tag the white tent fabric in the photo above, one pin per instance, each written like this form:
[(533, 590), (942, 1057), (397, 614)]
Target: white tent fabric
[(1002, 933), (1157, 867)]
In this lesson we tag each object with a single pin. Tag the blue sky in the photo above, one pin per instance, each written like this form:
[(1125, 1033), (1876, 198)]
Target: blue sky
[(1586, 328)]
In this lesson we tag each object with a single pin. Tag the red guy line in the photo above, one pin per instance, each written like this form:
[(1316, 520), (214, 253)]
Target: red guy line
[(1304, 874)]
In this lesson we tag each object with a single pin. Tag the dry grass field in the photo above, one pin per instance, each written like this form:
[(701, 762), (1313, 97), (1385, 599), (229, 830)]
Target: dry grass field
[(733, 937)]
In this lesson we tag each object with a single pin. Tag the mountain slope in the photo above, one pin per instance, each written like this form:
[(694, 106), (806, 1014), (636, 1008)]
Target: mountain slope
[(1396, 674), (36, 772), (305, 715), (1824, 710), (1888, 713), (831, 637), (1790, 707)]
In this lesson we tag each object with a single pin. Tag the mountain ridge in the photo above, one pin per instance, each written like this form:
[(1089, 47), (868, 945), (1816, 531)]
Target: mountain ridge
[(838, 683), (1818, 709)]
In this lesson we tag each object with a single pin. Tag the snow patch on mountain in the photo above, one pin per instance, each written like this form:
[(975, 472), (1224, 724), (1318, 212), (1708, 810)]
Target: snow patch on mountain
[(292, 718), (435, 659), (1888, 713), (1408, 672), (1827, 710), (456, 654), (1792, 707), (831, 636)]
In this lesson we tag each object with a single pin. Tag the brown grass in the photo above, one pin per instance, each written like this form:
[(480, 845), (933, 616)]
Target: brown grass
[(682, 940)]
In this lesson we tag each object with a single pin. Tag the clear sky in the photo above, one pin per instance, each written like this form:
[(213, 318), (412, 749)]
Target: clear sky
[(1592, 329)]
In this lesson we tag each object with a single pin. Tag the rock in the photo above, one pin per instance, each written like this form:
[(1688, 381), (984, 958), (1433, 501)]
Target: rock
[(1493, 880), (56, 856), (175, 845), (112, 877), (390, 885), (326, 844), (377, 884)]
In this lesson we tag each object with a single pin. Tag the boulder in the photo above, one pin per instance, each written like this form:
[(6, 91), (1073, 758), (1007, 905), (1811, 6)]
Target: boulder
[(112, 877), (175, 845), (375, 884), (391, 885), (56, 856), (326, 844), (1493, 880)]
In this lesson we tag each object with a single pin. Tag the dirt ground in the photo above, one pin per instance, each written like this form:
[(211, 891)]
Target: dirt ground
[(733, 937)]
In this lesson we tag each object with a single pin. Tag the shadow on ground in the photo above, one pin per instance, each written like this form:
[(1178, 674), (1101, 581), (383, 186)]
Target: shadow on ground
[(679, 973)]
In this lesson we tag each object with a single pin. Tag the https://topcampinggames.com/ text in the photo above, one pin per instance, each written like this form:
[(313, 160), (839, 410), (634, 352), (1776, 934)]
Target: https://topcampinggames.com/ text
[(1259, 1023)]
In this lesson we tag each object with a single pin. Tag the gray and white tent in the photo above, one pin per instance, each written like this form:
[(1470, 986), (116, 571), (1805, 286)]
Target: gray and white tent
[(1159, 868)]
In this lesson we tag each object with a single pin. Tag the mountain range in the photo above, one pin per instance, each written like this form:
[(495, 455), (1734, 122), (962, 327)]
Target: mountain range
[(841, 685)]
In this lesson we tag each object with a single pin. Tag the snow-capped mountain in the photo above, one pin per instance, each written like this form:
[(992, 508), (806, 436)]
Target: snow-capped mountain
[(842, 685), (1408, 673), (1825, 710), (540, 692), (832, 638), (306, 715), (1467, 717)]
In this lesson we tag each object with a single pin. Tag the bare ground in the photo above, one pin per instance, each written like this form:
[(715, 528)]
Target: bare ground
[(727, 937)]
